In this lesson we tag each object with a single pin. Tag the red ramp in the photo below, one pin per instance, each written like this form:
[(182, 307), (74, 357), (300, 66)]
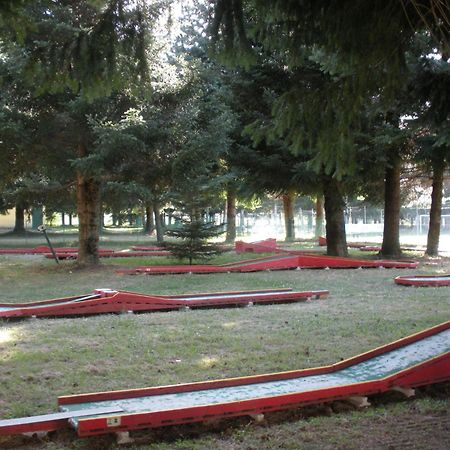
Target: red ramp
[(420, 359), (110, 301), (264, 246), (276, 262)]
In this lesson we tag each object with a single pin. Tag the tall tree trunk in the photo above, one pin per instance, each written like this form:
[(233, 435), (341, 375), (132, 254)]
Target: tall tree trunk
[(19, 224), (88, 210), (231, 216), (149, 220), (88, 207), (288, 207), (319, 216), (158, 223), (334, 215), (391, 232), (434, 229)]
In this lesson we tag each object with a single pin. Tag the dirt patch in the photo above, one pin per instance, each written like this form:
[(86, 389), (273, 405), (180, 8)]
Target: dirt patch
[(410, 431)]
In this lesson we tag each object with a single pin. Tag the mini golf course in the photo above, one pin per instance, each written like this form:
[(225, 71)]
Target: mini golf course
[(110, 301), (416, 360)]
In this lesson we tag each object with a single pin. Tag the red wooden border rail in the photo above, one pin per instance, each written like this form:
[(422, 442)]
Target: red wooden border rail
[(72, 252), (111, 254), (423, 280), (44, 250)]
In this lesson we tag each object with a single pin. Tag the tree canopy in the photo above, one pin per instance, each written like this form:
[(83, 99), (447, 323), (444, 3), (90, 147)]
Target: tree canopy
[(87, 46), (341, 53)]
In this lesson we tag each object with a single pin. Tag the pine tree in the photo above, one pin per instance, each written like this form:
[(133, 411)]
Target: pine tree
[(194, 235)]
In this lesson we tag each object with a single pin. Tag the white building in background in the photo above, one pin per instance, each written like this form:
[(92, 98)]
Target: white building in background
[(8, 220)]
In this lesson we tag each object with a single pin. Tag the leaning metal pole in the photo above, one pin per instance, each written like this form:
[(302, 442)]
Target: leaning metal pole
[(44, 230)]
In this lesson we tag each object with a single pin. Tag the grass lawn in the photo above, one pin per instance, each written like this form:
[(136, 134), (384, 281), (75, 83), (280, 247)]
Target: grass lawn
[(41, 359)]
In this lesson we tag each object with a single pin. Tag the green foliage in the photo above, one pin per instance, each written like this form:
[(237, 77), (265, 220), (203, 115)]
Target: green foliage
[(91, 47), (258, 152), (361, 33), (428, 96), (26, 176), (340, 56)]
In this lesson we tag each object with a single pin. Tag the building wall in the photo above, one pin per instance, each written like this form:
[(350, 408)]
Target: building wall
[(8, 220)]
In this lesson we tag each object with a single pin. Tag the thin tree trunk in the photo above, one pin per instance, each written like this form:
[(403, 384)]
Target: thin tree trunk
[(149, 221), (319, 216), (288, 207), (19, 224), (158, 223), (88, 206), (101, 217), (88, 209), (434, 229), (335, 221), (391, 231), (231, 216)]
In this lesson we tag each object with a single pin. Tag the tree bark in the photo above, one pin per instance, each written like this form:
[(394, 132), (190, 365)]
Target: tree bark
[(149, 221), (319, 216), (88, 207), (88, 210), (434, 229), (231, 216), (288, 207), (19, 224), (391, 231), (334, 215), (158, 223)]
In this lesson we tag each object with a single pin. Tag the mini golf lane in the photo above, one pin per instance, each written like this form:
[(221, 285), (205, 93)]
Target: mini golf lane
[(276, 262), (110, 301), (423, 280), (72, 252), (420, 359)]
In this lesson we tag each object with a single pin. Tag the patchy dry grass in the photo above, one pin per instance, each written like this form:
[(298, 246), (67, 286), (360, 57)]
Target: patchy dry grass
[(44, 358)]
